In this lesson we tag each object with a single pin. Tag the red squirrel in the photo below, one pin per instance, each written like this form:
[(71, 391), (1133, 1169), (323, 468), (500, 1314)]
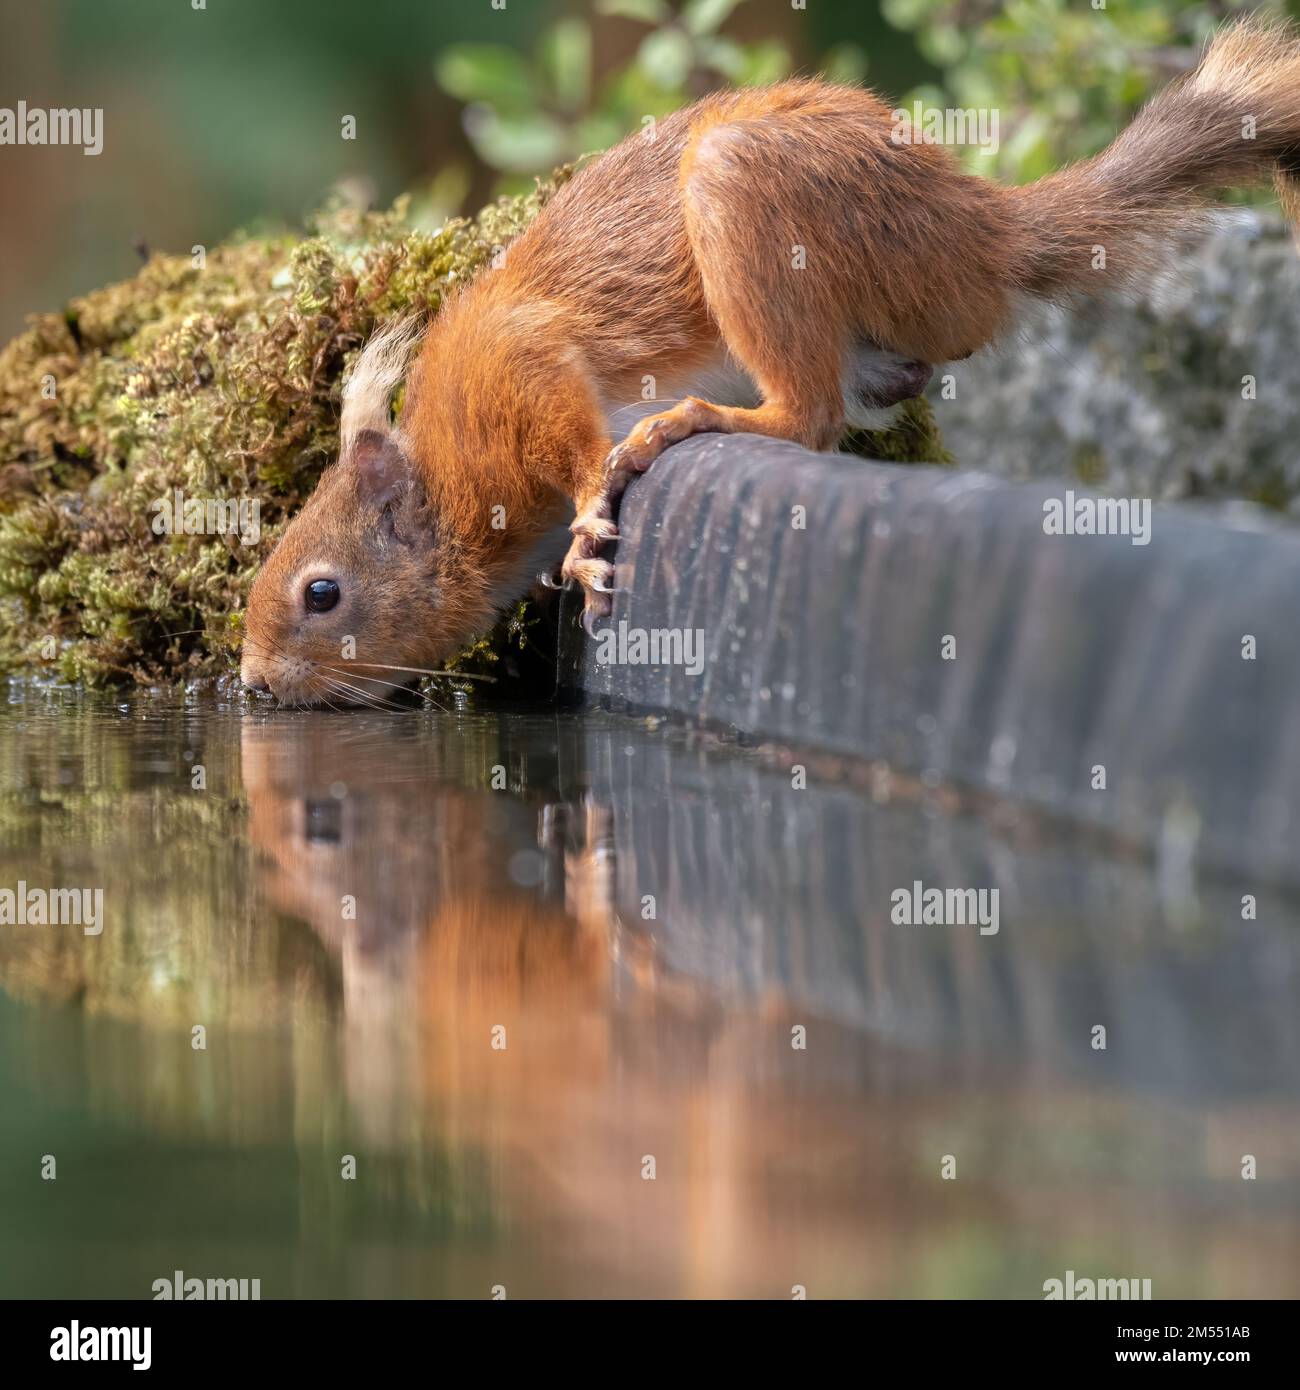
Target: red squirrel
[(673, 258)]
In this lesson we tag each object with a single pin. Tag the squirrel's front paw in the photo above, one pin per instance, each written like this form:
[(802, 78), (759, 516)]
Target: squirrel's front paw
[(590, 531), (651, 436)]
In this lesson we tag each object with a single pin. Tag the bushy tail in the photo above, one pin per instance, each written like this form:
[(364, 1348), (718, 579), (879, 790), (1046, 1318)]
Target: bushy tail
[(1231, 122)]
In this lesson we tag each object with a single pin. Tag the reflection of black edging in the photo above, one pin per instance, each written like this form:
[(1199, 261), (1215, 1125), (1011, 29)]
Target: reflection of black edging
[(1072, 651)]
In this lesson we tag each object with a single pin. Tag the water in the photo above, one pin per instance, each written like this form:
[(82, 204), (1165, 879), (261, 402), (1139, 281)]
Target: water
[(651, 923)]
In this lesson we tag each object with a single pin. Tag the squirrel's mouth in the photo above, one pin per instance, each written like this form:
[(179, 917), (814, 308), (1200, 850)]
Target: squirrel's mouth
[(307, 683), (299, 685)]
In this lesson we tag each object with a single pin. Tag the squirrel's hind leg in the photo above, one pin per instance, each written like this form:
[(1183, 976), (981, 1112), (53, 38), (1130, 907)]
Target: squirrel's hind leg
[(781, 317), (764, 247)]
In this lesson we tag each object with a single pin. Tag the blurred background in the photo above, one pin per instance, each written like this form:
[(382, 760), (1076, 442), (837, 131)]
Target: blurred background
[(227, 114)]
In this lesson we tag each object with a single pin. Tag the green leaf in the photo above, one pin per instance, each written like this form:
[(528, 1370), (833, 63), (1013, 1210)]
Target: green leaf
[(722, 55), (599, 131), (846, 62), (647, 11), (524, 144), (1027, 147), (765, 62), (707, 16), (564, 55), (665, 58), (905, 14), (485, 72), (631, 94), (946, 44)]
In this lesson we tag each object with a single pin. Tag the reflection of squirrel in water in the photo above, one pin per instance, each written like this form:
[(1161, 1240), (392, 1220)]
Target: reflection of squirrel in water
[(779, 241), (488, 1015), (406, 884)]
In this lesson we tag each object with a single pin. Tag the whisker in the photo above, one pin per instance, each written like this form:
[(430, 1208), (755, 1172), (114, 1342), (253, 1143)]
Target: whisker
[(349, 696), (364, 697), (263, 648), (396, 685), (423, 671), (330, 703), (374, 680)]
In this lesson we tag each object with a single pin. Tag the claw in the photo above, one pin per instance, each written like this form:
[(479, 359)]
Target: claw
[(589, 619), (547, 580), (597, 530)]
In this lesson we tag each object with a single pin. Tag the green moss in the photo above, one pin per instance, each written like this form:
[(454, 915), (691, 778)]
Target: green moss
[(1090, 465), (219, 376), (1272, 488), (913, 438)]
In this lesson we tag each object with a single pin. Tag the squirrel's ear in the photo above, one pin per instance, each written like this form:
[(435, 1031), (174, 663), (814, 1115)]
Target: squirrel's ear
[(383, 472), (387, 484)]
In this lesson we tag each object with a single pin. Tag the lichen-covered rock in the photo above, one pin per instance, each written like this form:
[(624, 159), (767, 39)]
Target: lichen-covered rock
[(218, 375), (1190, 388)]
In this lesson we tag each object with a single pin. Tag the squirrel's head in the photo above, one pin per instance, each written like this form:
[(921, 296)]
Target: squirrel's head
[(357, 587), (403, 553), (361, 583)]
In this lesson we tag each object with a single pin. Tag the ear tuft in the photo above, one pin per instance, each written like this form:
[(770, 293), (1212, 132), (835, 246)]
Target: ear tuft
[(368, 395)]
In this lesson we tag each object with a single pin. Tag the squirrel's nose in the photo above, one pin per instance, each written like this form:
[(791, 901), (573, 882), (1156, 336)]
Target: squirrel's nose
[(253, 678)]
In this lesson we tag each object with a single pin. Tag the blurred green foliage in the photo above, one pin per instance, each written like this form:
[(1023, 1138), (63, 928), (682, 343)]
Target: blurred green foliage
[(525, 114), (1063, 75), (229, 117)]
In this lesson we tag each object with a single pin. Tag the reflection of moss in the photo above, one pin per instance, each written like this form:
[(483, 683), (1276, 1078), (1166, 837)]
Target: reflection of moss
[(257, 1122), (81, 808), (221, 380), (914, 438)]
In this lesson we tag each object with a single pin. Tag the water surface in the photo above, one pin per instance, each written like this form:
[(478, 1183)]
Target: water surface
[(359, 910)]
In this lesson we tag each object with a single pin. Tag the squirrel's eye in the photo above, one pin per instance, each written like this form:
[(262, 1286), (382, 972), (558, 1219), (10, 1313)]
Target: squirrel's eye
[(321, 595)]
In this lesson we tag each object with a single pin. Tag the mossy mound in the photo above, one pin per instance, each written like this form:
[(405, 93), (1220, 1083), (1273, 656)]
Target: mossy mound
[(218, 375), (913, 438)]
